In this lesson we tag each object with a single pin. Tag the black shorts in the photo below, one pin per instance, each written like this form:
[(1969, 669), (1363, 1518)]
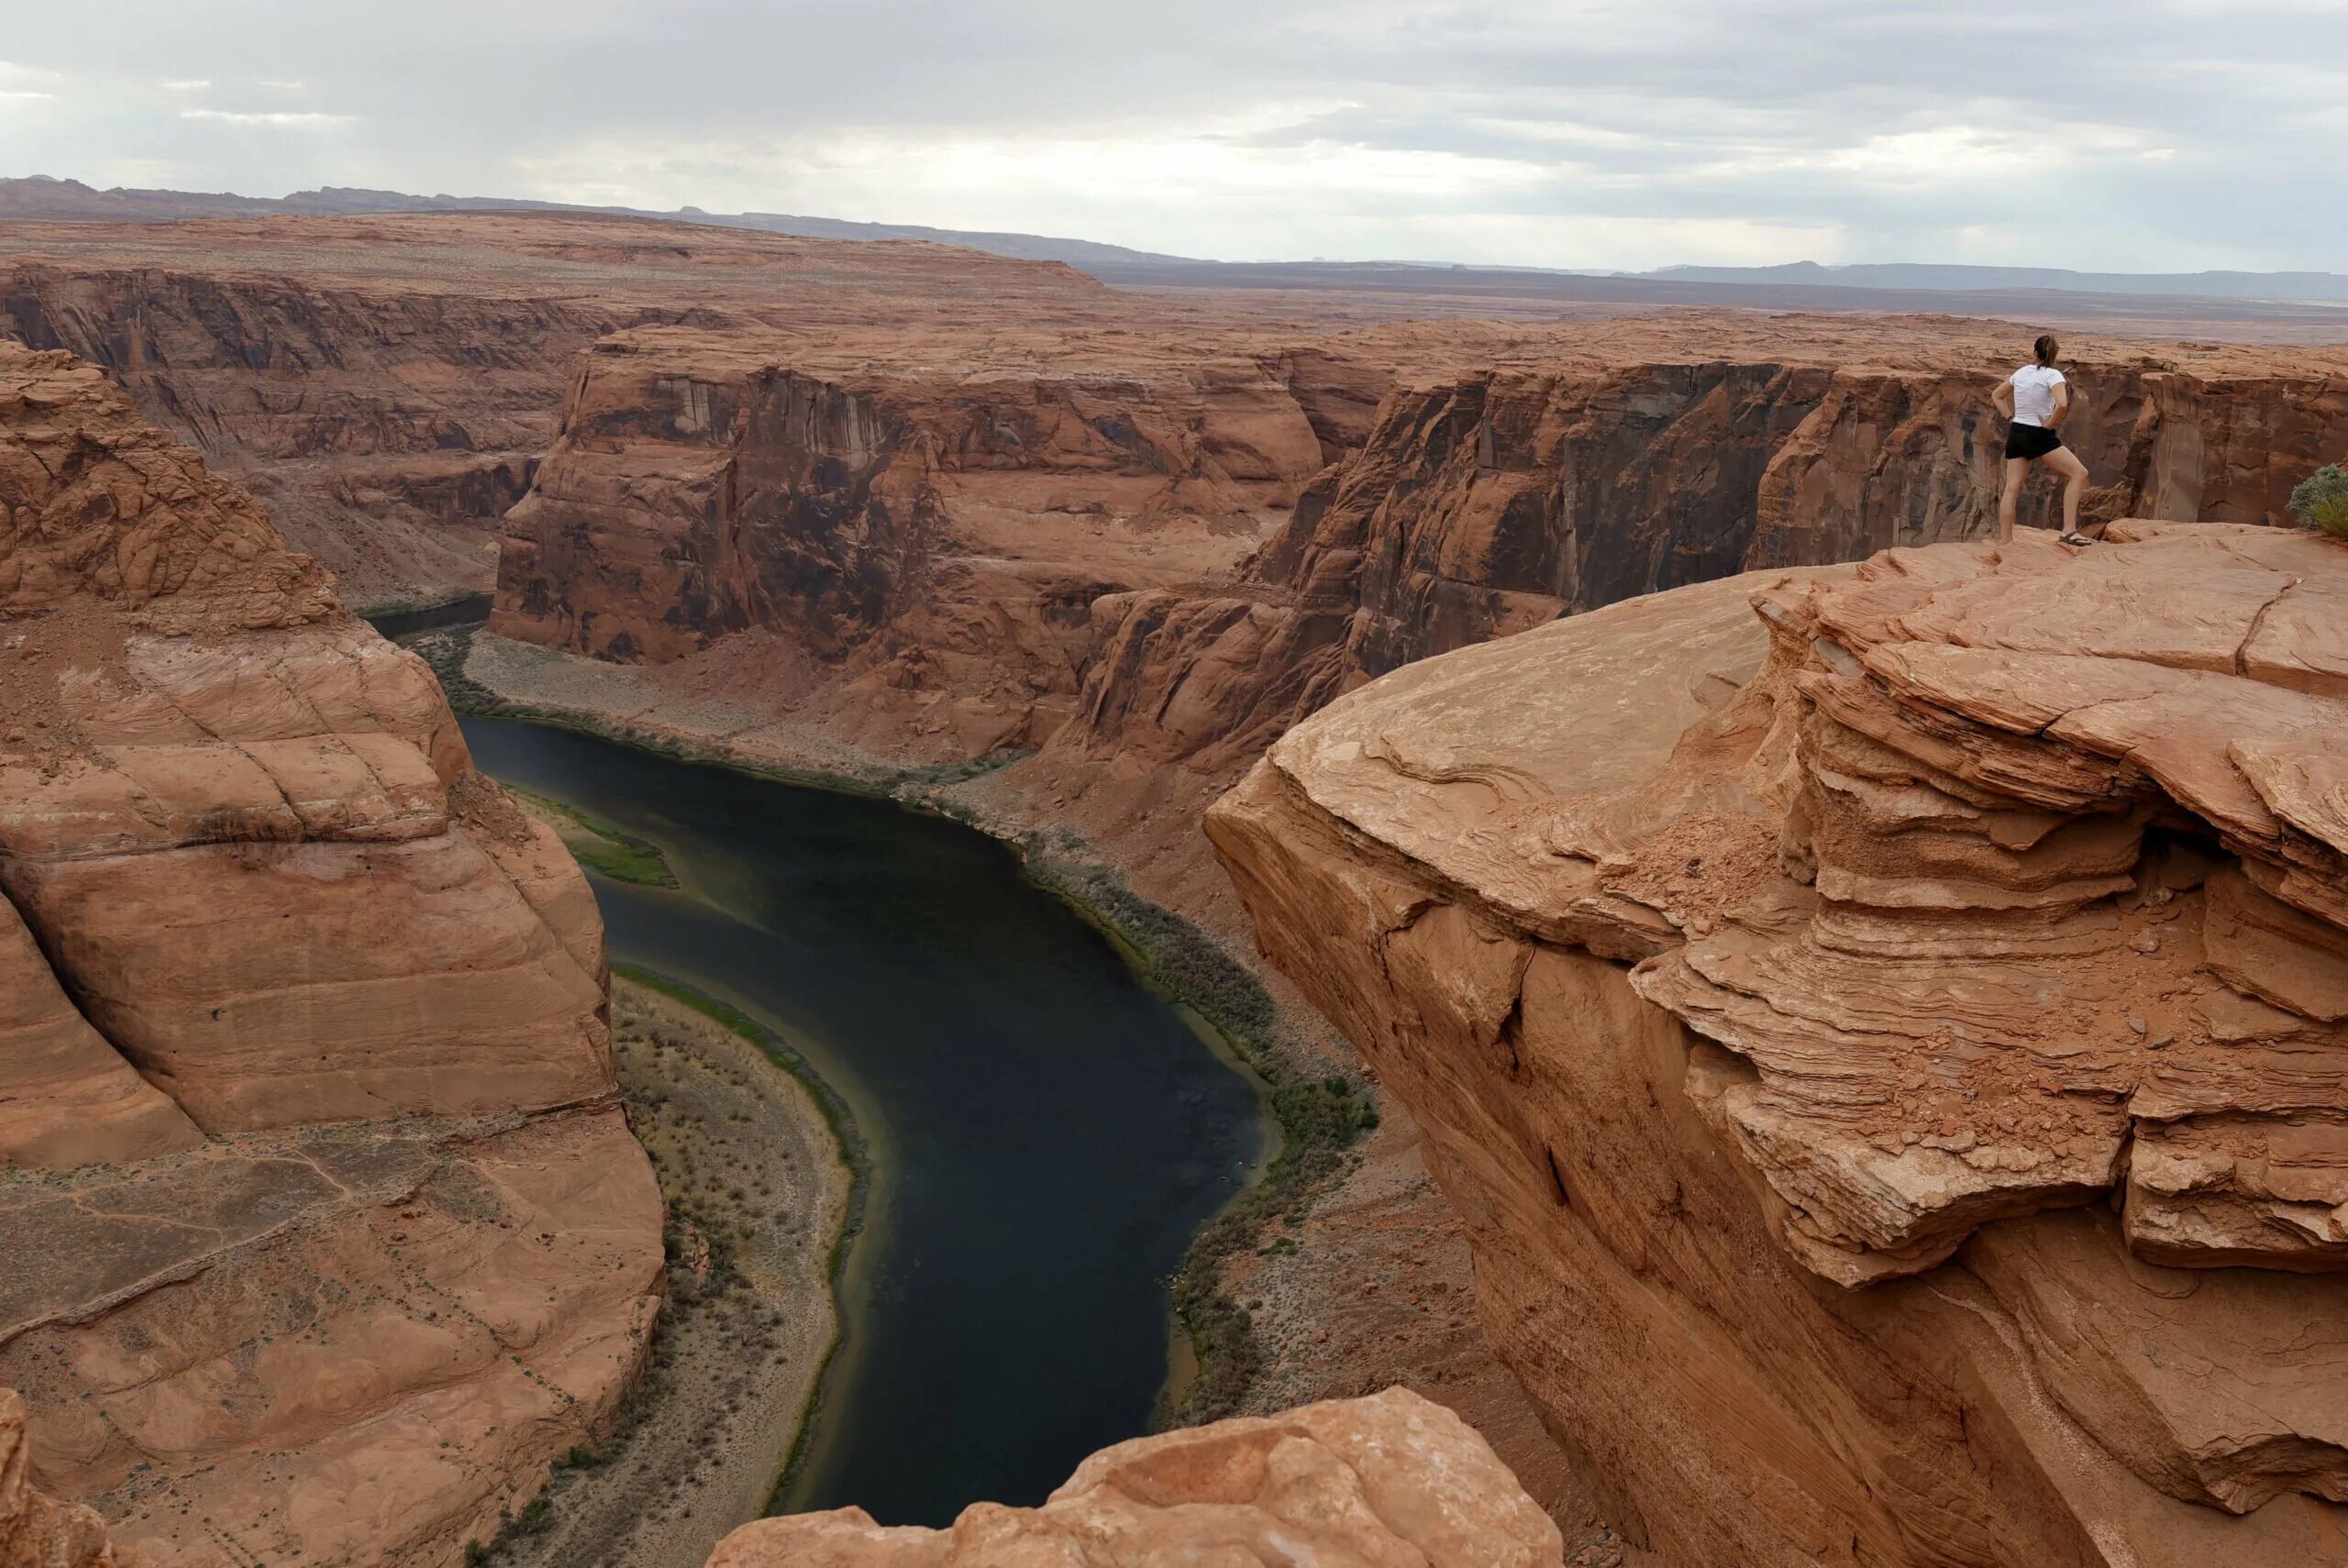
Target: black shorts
[(2031, 441)]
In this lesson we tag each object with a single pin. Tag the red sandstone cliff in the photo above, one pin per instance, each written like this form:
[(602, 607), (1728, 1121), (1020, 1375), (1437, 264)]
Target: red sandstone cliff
[(1137, 530), (1519, 473), (325, 1231), (387, 434), (903, 531), (1591, 463), (386, 384), (1887, 1052)]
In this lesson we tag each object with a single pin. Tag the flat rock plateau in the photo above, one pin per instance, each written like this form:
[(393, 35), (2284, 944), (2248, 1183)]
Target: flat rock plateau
[(1837, 1113)]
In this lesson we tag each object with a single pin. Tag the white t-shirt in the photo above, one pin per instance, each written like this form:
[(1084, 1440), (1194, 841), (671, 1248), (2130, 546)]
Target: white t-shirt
[(2035, 393)]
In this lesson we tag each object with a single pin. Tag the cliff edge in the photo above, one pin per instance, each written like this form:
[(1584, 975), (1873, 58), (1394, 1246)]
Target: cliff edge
[(324, 1230), (1387, 1479), (1887, 1049)]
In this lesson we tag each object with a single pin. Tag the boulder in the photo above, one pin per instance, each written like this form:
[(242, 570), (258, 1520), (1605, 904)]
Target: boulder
[(1389, 1479)]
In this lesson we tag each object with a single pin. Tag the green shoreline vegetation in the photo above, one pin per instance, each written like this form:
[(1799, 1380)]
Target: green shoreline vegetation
[(1322, 1115), (598, 845)]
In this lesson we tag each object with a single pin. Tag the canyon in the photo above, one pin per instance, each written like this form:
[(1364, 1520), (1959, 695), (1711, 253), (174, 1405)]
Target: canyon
[(1609, 879), (385, 385)]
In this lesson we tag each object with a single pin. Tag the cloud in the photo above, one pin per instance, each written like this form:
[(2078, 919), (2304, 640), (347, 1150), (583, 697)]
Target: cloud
[(1556, 132), (196, 84), (265, 117)]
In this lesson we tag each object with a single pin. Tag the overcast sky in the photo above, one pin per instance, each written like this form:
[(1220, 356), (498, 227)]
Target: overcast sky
[(2166, 136)]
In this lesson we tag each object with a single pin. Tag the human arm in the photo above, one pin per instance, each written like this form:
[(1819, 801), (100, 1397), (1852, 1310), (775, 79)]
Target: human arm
[(2062, 405), (2003, 398)]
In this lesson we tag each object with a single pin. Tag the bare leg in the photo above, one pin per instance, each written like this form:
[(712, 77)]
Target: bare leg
[(2016, 468), (2074, 484)]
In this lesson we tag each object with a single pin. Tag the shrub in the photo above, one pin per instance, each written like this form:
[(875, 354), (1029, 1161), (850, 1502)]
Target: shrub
[(2322, 500)]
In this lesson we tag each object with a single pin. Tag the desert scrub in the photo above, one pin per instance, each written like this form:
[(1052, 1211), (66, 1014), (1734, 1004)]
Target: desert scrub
[(2322, 500), (445, 648), (854, 1154)]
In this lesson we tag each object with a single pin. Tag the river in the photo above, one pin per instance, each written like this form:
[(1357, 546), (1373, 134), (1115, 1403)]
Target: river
[(468, 610), (1045, 1133)]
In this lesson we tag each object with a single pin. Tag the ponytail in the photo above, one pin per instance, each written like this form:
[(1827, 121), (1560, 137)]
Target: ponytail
[(2047, 349)]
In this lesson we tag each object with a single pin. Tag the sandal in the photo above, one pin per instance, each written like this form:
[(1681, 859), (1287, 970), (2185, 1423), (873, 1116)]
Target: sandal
[(2074, 539)]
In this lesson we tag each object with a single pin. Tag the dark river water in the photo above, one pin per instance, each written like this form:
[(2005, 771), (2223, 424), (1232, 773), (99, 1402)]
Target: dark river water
[(1045, 1133), (470, 609)]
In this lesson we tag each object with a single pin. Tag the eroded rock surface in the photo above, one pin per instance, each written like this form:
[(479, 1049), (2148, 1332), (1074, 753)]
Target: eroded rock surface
[(855, 551), (1886, 1049), (1387, 1479), (36, 1532), (1165, 543), (324, 1230)]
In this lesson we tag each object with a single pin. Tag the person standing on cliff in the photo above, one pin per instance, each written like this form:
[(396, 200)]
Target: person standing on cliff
[(2036, 400)]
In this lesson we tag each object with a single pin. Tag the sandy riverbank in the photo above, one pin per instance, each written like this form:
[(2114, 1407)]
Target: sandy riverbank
[(757, 1191)]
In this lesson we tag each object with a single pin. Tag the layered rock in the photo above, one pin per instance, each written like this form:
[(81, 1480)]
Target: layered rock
[(388, 433), (871, 597), (1387, 1479), (1886, 1051), (386, 384), (906, 533), (351, 1238)]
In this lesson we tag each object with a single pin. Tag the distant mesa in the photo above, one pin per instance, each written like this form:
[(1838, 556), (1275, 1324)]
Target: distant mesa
[(1926, 275), (42, 198), (1795, 284)]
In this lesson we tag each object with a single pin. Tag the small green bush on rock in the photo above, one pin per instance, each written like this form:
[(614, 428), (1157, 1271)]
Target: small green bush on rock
[(2322, 500)]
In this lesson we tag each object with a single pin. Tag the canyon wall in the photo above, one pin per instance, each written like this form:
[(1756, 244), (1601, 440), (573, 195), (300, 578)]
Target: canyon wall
[(1889, 1050), (386, 432), (1573, 467), (326, 1231), (1482, 506), (903, 534), (1387, 1479), (386, 384)]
